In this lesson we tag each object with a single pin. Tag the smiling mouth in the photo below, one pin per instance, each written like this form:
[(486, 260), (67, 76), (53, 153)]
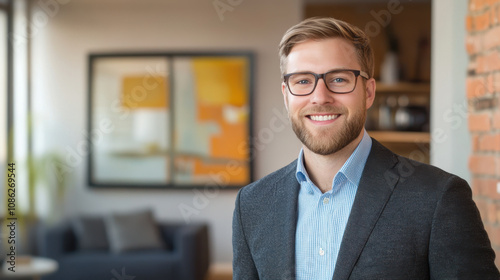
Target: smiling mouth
[(322, 118)]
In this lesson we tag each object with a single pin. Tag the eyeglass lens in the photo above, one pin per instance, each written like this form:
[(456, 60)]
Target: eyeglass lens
[(336, 81)]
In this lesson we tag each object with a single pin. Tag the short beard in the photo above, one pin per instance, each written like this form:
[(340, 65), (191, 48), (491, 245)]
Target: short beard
[(327, 146)]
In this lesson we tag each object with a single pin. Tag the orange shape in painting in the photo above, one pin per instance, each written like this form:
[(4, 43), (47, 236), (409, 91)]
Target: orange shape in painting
[(231, 142), (232, 173), (145, 92)]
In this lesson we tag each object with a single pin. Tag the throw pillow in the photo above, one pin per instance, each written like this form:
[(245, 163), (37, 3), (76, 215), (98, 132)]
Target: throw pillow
[(133, 231), (90, 233)]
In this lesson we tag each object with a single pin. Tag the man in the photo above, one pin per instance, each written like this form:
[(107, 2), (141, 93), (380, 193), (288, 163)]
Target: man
[(348, 208)]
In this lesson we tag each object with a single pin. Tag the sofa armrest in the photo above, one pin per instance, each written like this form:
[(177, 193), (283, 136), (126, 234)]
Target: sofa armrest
[(190, 242), (55, 241)]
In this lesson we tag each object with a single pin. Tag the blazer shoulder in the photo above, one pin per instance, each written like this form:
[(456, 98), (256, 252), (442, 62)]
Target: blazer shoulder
[(423, 174), (413, 171), (427, 173), (266, 184)]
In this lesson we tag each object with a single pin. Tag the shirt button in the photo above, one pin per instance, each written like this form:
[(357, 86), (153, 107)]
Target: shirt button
[(326, 200), (321, 252)]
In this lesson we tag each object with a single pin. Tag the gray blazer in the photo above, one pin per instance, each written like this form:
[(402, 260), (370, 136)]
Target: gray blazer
[(409, 221)]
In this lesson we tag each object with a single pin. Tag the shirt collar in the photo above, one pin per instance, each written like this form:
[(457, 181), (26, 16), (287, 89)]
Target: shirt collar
[(351, 168)]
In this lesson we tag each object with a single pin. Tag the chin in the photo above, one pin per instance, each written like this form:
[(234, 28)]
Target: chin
[(330, 142)]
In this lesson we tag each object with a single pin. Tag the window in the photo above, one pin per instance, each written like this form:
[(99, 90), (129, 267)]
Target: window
[(4, 91)]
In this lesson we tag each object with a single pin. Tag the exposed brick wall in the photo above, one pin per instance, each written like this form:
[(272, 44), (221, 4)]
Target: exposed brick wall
[(483, 93)]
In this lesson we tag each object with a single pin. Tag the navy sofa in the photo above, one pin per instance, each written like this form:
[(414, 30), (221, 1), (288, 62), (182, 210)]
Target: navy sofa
[(186, 259)]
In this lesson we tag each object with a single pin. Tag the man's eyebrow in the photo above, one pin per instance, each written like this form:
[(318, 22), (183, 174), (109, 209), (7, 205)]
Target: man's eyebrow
[(329, 70)]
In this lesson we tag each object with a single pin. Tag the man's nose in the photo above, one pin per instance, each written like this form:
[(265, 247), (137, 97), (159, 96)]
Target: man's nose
[(321, 93)]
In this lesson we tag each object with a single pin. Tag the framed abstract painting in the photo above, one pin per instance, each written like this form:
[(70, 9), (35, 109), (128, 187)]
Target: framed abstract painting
[(170, 120)]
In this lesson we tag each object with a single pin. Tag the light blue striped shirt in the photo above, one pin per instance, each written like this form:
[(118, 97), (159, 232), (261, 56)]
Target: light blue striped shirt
[(322, 217)]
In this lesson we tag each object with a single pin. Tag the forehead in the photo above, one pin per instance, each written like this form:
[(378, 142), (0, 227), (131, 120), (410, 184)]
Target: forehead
[(322, 55)]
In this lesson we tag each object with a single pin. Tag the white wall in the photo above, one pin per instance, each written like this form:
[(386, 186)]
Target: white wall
[(450, 147), (71, 30)]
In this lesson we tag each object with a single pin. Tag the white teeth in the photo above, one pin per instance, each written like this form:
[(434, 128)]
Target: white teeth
[(323, 117)]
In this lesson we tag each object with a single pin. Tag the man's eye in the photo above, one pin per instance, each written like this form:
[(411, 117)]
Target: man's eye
[(303, 82)]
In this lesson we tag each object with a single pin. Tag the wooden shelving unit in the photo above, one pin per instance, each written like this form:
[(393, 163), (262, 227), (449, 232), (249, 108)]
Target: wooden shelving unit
[(401, 136), (415, 145), (406, 87), (405, 143), (418, 93)]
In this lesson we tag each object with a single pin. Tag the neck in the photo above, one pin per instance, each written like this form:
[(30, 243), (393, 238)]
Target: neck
[(322, 168)]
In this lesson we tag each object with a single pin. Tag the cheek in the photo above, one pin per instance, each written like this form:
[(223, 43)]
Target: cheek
[(354, 105), (294, 103)]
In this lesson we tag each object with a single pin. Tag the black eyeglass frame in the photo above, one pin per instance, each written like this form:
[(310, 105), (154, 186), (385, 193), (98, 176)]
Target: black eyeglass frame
[(322, 76)]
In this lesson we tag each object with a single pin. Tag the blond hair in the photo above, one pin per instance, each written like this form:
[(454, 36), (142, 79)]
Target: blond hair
[(325, 28)]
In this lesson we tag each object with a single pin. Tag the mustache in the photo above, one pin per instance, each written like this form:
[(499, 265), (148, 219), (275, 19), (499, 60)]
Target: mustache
[(322, 109)]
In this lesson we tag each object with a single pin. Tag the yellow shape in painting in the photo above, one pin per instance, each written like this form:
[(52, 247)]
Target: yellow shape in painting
[(221, 81), (144, 92)]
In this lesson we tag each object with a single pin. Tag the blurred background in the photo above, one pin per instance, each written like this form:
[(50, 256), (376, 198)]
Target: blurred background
[(437, 70)]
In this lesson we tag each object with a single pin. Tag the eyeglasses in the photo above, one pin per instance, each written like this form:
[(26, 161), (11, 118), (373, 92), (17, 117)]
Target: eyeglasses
[(336, 81)]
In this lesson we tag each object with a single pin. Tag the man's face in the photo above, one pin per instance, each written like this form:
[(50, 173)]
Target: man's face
[(325, 122)]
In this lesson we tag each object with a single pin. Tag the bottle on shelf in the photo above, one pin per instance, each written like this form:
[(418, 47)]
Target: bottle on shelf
[(410, 117), (386, 112)]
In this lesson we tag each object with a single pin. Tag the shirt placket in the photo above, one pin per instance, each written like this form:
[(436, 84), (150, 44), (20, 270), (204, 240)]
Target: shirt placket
[(324, 248)]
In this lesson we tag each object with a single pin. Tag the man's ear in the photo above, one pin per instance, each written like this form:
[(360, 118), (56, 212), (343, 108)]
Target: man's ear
[(285, 99), (370, 92)]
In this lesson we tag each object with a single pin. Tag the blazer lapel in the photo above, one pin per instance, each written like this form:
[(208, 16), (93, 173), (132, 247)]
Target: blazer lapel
[(374, 190), (284, 224)]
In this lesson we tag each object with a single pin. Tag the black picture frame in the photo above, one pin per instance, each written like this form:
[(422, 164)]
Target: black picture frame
[(186, 114)]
